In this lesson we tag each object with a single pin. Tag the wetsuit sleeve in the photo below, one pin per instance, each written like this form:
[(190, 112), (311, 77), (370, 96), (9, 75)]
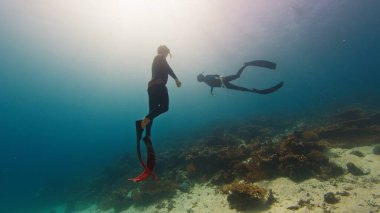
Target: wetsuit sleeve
[(169, 69), (212, 89)]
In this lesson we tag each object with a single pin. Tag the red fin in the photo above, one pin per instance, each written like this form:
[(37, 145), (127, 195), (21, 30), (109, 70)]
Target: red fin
[(144, 175)]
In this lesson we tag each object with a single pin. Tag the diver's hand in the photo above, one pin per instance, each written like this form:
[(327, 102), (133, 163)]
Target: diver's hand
[(178, 82)]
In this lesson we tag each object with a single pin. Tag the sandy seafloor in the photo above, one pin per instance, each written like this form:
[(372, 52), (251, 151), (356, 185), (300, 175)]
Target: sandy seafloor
[(356, 193)]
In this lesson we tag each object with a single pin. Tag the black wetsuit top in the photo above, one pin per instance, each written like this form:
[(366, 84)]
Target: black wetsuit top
[(213, 81), (160, 71)]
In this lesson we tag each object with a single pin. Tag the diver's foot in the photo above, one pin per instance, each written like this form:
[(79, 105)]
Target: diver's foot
[(145, 122)]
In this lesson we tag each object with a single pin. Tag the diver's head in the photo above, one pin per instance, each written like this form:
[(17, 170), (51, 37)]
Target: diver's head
[(163, 50), (201, 77)]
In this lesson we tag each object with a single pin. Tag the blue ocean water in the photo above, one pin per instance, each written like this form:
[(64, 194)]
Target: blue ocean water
[(73, 78)]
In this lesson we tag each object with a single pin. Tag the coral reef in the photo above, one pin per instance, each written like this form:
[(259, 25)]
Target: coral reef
[(256, 150), (292, 157), (261, 163), (245, 196), (216, 163), (299, 160), (353, 127)]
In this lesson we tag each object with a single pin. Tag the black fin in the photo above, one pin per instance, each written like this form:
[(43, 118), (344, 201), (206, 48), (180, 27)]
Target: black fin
[(262, 63), (151, 161), (269, 90), (139, 132)]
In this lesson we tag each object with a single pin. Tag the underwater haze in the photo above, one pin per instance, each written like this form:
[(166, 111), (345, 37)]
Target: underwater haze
[(73, 76)]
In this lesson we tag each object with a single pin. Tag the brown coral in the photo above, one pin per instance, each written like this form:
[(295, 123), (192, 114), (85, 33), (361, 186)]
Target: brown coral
[(300, 160), (255, 192), (190, 169), (244, 196), (310, 135)]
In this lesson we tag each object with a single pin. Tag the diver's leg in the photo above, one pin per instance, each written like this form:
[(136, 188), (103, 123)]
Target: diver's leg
[(163, 102), (160, 102), (236, 76), (155, 96), (153, 103), (234, 87)]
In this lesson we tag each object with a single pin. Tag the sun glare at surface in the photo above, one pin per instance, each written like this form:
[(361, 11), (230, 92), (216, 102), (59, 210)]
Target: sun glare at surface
[(106, 33), (112, 28)]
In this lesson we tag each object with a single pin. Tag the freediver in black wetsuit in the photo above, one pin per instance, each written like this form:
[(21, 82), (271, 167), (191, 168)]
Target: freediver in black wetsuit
[(158, 104), (157, 91), (225, 81)]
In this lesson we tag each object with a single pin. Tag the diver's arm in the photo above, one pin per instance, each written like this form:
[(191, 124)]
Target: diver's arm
[(172, 74), (212, 89), (169, 69)]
